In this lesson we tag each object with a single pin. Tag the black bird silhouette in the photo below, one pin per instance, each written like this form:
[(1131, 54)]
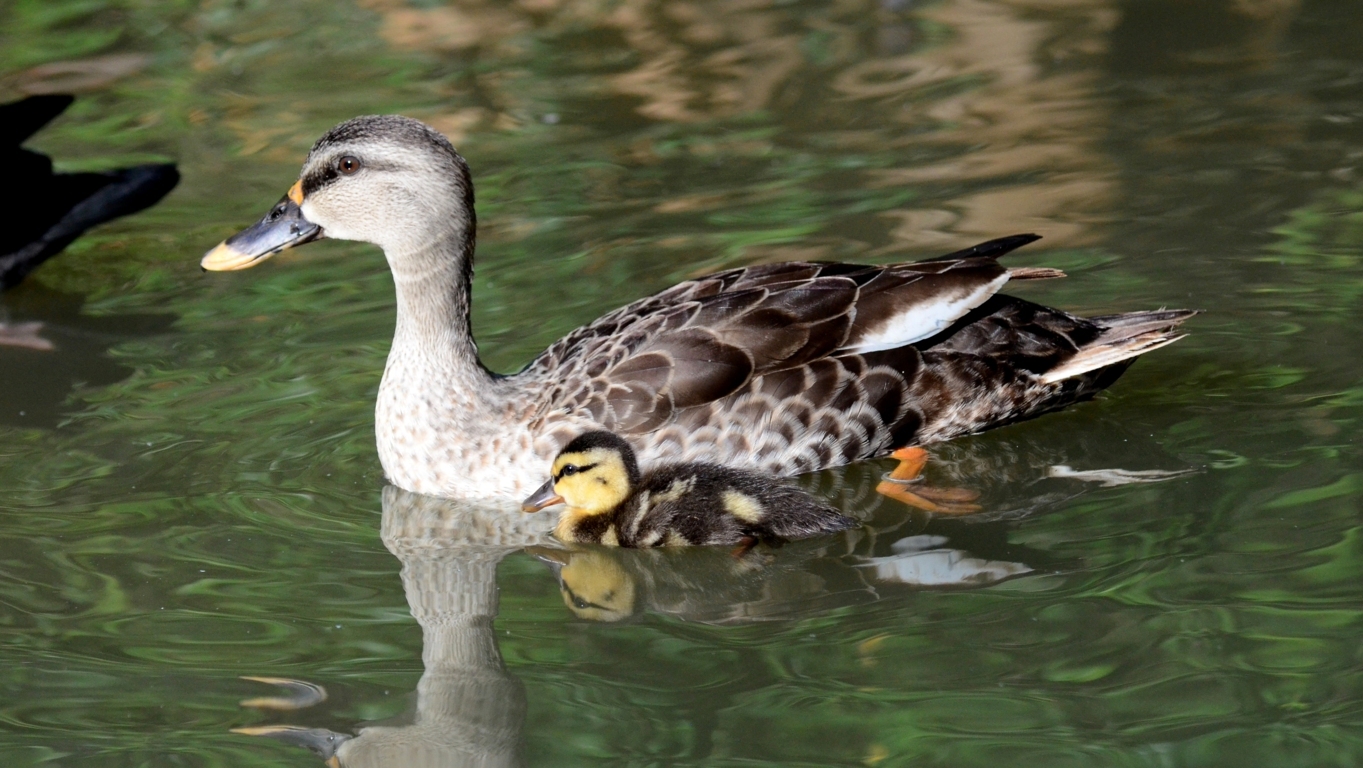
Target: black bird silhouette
[(53, 209)]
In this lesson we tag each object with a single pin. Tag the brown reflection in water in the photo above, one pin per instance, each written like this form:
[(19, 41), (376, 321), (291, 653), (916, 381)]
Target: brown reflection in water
[(469, 710), (705, 61), (1000, 101), (1007, 118), (1017, 121)]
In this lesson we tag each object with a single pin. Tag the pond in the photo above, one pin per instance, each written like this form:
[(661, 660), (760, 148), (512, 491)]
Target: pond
[(1165, 576)]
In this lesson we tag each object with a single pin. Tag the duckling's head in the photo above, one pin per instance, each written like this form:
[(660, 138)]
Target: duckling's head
[(382, 179), (593, 474)]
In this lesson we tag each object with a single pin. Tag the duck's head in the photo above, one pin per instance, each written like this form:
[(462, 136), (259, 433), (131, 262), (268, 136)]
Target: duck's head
[(593, 474), (382, 179)]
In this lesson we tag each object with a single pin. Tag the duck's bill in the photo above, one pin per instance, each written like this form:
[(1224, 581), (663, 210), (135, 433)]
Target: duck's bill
[(554, 558), (282, 228), (320, 741), (544, 497)]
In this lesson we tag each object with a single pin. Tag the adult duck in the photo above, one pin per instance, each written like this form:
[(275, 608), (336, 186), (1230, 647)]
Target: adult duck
[(779, 368)]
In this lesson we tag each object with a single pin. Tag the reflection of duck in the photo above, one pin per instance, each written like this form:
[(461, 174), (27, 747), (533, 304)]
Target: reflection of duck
[(610, 502), (52, 209), (784, 368), (469, 710)]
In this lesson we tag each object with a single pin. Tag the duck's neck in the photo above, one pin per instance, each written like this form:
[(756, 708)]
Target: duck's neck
[(440, 413), (434, 337)]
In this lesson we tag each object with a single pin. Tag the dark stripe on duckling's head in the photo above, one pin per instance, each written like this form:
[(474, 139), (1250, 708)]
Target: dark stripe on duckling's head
[(570, 469), (601, 439), (595, 473)]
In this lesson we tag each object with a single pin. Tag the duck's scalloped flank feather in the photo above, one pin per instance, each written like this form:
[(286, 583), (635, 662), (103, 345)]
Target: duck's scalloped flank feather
[(789, 367)]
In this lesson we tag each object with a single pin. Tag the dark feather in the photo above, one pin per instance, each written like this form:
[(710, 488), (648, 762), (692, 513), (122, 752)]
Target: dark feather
[(56, 208)]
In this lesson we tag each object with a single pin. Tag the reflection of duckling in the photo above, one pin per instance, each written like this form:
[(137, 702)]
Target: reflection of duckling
[(703, 584), (594, 586), (610, 502)]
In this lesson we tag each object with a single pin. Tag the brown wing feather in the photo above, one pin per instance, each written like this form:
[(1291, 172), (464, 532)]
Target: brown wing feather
[(703, 339), (756, 367)]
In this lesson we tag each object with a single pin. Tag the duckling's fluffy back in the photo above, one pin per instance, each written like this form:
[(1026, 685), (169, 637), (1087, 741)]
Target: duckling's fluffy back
[(710, 504)]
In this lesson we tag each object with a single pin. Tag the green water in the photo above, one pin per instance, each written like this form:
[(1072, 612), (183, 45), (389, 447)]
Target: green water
[(190, 491)]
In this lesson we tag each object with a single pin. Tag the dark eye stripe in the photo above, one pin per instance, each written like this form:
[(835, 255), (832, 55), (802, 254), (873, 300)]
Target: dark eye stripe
[(319, 179), (327, 174), (580, 602), (580, 470)]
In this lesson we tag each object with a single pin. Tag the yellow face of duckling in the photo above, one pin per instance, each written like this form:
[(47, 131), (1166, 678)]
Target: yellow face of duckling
[(593, 475), (593, 482)]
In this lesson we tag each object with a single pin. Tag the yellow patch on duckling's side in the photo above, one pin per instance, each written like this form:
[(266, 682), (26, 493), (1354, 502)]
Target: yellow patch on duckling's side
[(743, 506), (676, 490), (647, 501), (643, 503), (610, 538), (675, 539)]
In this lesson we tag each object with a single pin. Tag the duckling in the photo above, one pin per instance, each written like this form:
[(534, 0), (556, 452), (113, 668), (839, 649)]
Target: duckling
[(611, 502)]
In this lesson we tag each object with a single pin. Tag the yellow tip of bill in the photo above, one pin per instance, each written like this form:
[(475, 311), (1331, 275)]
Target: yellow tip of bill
[(225, 258)]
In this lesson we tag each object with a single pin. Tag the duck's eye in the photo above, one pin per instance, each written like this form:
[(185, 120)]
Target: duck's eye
[(348, 165), (568, 469)]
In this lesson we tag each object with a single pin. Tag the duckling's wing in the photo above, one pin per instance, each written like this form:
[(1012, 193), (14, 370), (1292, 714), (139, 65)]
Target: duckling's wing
[(705, 339)]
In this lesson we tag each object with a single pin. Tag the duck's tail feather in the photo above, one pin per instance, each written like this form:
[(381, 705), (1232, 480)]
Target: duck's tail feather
[(1123, 337), (1034, 273), (990, 248)]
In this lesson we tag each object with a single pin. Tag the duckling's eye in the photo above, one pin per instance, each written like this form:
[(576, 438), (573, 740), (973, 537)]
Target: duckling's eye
[(568, 469), (348, 165)]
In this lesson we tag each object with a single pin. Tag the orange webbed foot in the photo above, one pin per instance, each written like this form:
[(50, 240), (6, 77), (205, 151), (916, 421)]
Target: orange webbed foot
[(745, 545), (949, 501), (912, 459)]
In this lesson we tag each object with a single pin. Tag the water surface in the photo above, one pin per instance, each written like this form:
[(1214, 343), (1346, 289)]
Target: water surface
[(191, 493)]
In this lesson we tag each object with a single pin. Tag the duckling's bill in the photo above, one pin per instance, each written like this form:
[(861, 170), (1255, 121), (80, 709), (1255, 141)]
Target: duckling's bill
[(546, 496), (282, 227)]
